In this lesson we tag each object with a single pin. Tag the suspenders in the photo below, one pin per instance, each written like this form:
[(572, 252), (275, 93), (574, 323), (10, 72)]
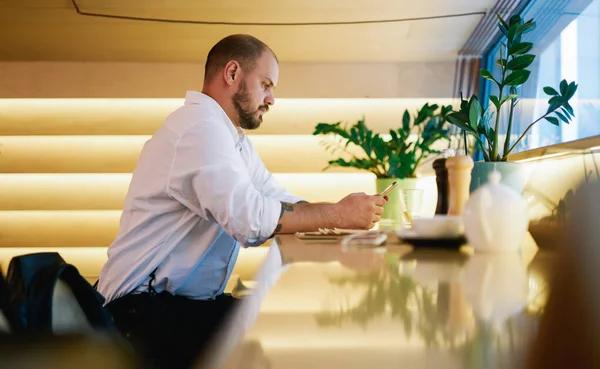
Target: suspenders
[(151, 289)]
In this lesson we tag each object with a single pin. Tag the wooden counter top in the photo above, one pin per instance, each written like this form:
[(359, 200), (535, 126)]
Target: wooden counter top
[(316, 305)]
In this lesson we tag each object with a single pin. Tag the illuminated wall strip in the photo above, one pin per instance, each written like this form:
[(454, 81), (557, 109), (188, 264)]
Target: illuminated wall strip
[(58, 228), (144, 116), (119, 154), (62, 229), (107, 191), (70, 154)]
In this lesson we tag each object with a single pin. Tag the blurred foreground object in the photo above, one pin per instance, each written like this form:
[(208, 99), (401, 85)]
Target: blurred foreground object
[(570, 329), (98, 351)]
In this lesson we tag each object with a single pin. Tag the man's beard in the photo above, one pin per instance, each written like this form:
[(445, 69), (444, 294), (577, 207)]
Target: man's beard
[(241, 101)]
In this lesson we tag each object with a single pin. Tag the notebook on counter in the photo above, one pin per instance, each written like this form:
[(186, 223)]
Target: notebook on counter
[(327, 234), (345, 236)]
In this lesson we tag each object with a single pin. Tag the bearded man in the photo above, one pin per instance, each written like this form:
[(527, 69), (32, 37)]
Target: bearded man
[(200, 191)]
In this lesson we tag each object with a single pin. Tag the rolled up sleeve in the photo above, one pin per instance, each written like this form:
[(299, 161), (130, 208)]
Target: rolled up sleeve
[(209, 177)]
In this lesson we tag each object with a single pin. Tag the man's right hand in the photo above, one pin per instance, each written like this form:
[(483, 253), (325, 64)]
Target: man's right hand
[(360, 211), (355, 211)]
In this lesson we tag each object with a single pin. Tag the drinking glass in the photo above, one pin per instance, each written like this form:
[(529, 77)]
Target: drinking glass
[(411, 200)]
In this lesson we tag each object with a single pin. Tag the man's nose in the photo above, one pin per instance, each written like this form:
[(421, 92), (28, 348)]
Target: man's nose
[(269, 99)]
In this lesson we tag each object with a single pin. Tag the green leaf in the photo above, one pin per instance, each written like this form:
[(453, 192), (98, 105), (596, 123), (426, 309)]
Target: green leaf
[(340, 162), (361, 128), (459, 123), (528, 26), (489, 136), (503, 30), (552, 120), (512, 32), (569, 108), (550, 91), (515, 19), (446, 109), (406, 120), (520, 62), (554, 103), (487, 75), (562, 117), (474, 114), (473, 98), (465, 103), (502, 21), (462, 116), (501, 63), (566, 112), (494, 100), (481, 128), (381, 150), (508, 97), (520, 48), (557, 100), (517, 78), (326, 128), (564, 87), (488, 115), (354, 135), (571, 90)]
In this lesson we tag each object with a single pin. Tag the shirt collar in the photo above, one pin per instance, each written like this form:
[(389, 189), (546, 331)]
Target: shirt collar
[(195, 97)]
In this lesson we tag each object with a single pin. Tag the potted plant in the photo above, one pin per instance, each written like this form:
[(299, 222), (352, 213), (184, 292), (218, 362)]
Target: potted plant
[(484, 124), (393, 157)]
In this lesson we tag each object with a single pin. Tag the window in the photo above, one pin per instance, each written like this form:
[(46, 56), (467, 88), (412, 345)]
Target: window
[(567, 46)]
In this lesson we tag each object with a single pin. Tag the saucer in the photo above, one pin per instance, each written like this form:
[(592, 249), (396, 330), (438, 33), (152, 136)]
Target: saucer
[(411, 237)]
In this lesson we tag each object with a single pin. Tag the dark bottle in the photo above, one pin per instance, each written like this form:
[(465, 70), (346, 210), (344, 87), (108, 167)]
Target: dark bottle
[(441, 179)]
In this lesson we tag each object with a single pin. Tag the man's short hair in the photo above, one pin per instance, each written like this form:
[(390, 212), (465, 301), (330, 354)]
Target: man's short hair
[(244, 49)]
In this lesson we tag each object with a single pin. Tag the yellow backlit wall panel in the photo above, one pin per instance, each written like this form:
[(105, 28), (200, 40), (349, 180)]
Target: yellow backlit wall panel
[(119, 154), (58, 228), (63, 191), (65, 165), (144, 116), (107, 191), (70, 154)]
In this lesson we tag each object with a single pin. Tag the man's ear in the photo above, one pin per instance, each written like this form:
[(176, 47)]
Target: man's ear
[(232, 72)]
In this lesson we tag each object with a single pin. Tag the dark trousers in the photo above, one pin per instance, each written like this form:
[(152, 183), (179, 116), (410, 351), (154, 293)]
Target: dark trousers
[(169, 331)]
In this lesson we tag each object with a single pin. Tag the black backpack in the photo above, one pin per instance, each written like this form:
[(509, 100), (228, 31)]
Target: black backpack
[(10, 321), (39, 283)]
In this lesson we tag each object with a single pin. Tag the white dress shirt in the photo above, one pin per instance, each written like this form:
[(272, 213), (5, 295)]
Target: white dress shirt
[(199, 190)]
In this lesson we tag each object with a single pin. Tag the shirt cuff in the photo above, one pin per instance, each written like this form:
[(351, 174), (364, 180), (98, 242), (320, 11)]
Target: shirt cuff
[(269, 220), (291, 199)]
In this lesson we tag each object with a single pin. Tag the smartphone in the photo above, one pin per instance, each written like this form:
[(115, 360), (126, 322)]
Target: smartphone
[(389, 189), (368, 238)]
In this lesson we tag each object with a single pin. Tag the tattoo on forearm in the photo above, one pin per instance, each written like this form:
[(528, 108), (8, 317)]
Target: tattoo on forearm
[(285, 207), (302, 202)]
